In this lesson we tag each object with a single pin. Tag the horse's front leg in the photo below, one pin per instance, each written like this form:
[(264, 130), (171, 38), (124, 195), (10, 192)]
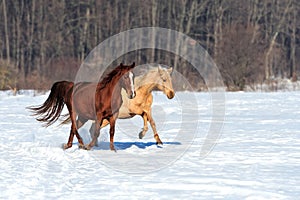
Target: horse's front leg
[(112, 122), (92, 129), (145, 128), (95, 136), (153, 126)]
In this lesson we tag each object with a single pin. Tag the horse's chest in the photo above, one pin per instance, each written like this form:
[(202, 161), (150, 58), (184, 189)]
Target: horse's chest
[(111, 108), (140, 104)]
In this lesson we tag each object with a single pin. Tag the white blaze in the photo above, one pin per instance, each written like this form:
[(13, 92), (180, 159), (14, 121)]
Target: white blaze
[(131, 82)]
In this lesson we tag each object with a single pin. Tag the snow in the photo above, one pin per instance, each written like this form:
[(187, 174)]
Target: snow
[(275, 85), (256, 157)]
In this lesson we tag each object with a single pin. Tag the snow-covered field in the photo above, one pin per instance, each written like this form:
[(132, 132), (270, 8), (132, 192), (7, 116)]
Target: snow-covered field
[(256, 157)]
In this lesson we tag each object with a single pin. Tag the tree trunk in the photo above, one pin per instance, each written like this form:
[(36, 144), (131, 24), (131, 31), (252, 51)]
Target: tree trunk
[(293, 44), (153, 23), (6, 33), (268, 64), (85, 28), (180, 29), (219, 12)]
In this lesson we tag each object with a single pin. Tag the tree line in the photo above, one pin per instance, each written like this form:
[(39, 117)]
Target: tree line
[(251, 41)]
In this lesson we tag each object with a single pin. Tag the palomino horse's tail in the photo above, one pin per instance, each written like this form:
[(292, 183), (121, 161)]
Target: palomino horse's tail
[(51, 109)]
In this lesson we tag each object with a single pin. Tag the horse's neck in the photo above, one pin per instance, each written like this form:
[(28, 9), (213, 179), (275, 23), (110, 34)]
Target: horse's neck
[(145, 84), (114, 86), (146, 88)]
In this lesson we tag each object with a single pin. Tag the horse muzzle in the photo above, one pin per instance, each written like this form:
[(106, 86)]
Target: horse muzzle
[(132, 95), (171, 94)]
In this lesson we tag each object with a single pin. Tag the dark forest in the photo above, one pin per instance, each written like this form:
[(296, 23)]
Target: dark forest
[(251, 41)]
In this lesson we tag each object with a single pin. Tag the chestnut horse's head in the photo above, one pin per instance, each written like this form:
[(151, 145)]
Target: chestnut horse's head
[(127, 80)]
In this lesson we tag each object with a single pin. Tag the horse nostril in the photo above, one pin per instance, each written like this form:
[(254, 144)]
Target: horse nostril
[(132, 95), (171, 95)]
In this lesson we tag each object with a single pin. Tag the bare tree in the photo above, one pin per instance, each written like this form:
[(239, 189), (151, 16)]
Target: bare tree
[(7, 45), (40, 39)]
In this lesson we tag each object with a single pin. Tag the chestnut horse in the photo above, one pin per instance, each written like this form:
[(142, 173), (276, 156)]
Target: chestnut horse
[(157, 78), (88, 101)]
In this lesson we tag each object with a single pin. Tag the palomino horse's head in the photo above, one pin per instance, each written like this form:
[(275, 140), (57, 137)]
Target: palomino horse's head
[(127, 81), (164, 82)]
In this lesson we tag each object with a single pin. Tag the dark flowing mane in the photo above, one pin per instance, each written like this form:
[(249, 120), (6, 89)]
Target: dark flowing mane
[(115, 72), (107, 79)]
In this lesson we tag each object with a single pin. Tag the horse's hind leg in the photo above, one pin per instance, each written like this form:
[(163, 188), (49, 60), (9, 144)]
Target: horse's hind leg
[(71, 136), (74, 127), (72, 133), (79, 123), (73, 130)]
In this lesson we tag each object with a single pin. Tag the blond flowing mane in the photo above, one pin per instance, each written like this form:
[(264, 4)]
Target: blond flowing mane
[(147, 77)]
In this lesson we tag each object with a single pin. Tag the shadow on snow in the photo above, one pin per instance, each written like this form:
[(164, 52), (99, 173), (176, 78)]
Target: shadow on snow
[(127, 145)]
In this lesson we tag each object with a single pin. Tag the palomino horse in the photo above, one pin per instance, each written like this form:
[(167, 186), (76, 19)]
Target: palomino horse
[(88, 101), (156, 78)]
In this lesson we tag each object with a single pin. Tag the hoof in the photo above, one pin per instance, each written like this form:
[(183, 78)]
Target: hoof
[(112, 148), (158, 141), (81, 146), (66, 146), (85, 147), (141, 135)]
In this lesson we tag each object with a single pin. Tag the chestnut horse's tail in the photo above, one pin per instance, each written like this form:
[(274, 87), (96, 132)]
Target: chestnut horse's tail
[(51, 109)]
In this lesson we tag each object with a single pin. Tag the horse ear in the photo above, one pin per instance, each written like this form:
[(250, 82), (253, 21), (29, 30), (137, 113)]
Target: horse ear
[(133, 65), (170, 70), (159, 68)]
